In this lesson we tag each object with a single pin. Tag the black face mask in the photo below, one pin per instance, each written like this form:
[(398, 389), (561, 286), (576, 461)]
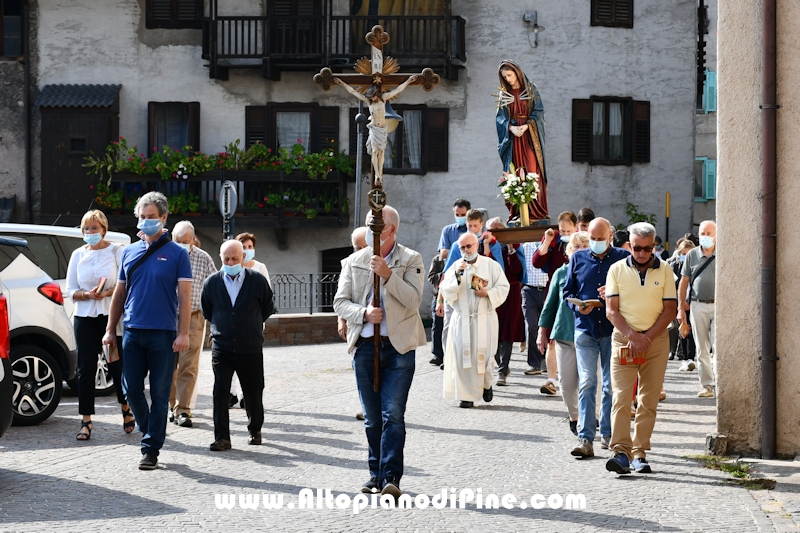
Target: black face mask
[(637, 263)]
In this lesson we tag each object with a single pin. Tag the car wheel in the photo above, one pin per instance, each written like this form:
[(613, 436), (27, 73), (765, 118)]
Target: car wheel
[(37, 384), (103, 382)]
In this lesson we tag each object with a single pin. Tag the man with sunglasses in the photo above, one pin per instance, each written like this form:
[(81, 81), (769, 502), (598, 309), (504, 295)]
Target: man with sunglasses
[(474, 286), (641, 302)]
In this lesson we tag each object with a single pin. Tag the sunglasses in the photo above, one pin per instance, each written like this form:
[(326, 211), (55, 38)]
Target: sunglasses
[(647, 249), (466, 247)]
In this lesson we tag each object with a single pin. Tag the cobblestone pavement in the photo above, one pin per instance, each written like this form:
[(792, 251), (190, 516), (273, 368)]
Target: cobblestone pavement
[(519, 444)]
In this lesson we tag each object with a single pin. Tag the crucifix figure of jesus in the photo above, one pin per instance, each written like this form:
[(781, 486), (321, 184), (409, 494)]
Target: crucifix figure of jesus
[(378, 130)]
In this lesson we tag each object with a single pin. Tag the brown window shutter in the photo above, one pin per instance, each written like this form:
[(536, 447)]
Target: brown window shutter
[(438, 139), (623, 13), (328, 126), (581, 130), (255, 125), (188, 13), (151, 128), (194, 125), (641, 132), (602, 12), (174, 14)]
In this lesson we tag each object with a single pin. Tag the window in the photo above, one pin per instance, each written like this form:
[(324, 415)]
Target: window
[(419, 144), (174, 14), (610, 130), (173, 124), (705, 179), (78, 146), (613, 13), (710, 92), (10, 28), (281, 125)]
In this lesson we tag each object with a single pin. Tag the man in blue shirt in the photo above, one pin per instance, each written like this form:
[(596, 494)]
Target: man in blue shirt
[(155, 289), (586, 280), (452, 232)]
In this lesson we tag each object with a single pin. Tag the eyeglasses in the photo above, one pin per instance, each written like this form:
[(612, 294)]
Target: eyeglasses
[(647, 249), (466, 247)]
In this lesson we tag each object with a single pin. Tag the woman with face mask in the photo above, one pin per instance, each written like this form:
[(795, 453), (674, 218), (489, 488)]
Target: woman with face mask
[(91, 278)]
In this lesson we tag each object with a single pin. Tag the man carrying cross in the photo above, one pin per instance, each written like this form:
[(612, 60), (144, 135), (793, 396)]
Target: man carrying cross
[(398, 326)]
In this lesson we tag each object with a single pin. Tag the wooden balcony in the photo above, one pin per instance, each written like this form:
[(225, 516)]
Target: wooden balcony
[(308, 43), (265, 199)]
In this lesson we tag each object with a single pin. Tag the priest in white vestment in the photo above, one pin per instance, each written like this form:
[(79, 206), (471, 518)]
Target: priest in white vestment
[(474, 286)]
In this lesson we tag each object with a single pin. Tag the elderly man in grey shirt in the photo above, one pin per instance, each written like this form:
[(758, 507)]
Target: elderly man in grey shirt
[(698, 278)]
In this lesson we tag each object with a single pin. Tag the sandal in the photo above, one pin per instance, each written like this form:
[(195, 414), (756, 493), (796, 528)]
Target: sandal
[(85, 436), (128, 425)]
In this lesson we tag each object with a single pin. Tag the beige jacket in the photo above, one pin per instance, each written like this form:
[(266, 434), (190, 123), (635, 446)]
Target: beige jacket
[(401, 296)]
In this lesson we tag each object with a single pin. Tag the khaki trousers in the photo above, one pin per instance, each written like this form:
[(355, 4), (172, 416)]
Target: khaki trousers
[(187, 366), (623, 380)]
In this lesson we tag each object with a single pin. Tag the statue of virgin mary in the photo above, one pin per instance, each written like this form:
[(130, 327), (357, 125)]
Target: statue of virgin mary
[(520, 132)]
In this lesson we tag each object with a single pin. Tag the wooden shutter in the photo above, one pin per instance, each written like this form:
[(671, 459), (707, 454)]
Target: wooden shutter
[(255, 125), (710, 92), (174, 14), (438, 139), (710, 168), (581, 130), (613, 13), (194, 125), (641, 132), (328, 127)]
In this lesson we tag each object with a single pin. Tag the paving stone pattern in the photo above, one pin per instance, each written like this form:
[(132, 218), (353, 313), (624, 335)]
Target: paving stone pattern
[(519, 444)]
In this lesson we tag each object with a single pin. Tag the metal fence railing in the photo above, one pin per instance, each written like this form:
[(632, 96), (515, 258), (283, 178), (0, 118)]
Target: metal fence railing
[(304, 293)]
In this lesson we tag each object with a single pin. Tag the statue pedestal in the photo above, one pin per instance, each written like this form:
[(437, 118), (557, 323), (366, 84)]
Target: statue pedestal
[(532, 233)]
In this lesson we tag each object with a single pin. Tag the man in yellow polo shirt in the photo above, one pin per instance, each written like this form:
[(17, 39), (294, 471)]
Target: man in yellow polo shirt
[(641, 302)]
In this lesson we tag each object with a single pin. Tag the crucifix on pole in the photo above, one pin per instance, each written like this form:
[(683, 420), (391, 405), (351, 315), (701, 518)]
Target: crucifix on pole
[(375, 83)]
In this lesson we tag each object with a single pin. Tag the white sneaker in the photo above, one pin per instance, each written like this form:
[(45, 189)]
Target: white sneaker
[(707, 392), (686, 366)]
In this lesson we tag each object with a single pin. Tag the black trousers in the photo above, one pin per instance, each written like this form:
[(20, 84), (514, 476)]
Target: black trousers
[(89, 333), (250, 369), (437, 349)]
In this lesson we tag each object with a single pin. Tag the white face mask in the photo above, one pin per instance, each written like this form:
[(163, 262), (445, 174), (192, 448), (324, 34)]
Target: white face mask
[(371, 240)]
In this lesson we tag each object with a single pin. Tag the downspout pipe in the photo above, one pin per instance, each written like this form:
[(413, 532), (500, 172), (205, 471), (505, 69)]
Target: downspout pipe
[(769, 109), (26, 102)]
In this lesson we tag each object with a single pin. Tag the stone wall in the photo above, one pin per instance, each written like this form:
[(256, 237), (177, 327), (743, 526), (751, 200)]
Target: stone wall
[(291, 329)]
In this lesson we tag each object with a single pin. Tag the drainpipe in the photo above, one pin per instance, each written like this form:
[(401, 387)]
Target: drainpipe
[(26, 96), (769, 108)]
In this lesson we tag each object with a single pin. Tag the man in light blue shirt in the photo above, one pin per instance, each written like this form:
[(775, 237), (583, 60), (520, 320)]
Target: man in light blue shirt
[(452, 232)]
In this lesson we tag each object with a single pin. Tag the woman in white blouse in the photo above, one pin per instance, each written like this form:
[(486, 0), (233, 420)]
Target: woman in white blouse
[(98, 261)]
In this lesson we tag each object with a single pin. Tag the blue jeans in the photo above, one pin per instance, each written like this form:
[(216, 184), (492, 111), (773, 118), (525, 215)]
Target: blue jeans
[(587, 351), (384, 411), (149, 350)]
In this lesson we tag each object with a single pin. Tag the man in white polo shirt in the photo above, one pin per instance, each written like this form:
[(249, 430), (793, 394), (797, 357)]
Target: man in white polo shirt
[(641, 302)]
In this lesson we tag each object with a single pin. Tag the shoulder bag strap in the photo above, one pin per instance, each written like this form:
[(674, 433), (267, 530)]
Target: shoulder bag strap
[(150, 251), (696, 274)]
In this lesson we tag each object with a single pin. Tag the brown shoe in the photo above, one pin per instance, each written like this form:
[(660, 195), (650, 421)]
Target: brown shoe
[(255, 439), (548, 388), (584, 450), (220, 445)]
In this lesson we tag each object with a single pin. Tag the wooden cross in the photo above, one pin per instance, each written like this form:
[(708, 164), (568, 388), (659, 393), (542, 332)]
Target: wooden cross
[(377, 82)]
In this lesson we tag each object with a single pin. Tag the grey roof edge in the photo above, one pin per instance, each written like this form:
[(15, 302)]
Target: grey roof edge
[(68, 95)]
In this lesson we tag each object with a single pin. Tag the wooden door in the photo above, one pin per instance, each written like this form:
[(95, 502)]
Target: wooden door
[(68, 134)]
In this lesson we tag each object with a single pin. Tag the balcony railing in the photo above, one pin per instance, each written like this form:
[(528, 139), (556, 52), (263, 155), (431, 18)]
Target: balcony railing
[(265, 199), (309, 43)]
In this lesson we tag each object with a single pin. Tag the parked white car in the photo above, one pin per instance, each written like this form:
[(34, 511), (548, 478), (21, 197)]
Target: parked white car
[(50, 247)]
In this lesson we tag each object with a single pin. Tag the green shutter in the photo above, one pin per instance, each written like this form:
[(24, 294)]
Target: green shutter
[(711, 179), (710, 92)]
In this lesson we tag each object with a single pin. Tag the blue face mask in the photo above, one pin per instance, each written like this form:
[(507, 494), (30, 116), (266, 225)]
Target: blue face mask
[(92, 238), (683, 258), (470, 257), (232, 270), (706, 241), (598, 247), (461, 221), (150, 226), (187, 247), (249, 255)]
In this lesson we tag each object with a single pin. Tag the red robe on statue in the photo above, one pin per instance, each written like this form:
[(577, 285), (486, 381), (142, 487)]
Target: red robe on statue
[(523, 156)]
